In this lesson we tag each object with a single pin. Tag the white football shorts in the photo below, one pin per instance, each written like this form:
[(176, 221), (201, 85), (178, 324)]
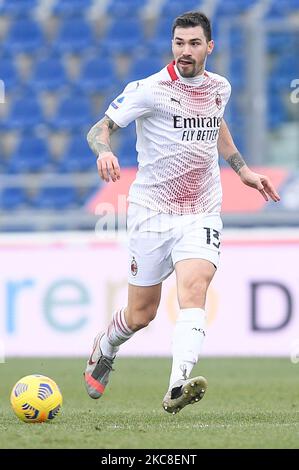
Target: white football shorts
[(157, 241)]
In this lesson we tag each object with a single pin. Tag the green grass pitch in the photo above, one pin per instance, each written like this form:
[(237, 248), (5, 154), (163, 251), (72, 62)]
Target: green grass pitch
[(250, 403)]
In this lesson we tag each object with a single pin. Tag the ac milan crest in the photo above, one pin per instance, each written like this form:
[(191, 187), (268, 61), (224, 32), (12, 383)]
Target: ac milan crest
[(134, 267), (218, 101)]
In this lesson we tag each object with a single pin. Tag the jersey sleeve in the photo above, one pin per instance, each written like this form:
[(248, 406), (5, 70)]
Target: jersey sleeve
[(226, 91), (134, 102)]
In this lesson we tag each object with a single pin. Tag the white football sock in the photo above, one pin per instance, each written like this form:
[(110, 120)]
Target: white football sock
[(189, 333), (116, 334)]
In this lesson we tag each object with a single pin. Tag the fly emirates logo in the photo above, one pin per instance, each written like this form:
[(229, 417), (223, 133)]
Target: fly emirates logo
[(198, 128)]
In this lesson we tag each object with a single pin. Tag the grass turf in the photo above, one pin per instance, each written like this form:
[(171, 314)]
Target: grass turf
[(250, 403)]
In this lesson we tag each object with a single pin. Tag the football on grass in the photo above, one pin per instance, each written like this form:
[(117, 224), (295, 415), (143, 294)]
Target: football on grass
[(36, 398)]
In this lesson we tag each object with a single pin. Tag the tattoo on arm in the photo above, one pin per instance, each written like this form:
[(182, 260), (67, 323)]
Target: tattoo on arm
[(99, 135), (236, 161)]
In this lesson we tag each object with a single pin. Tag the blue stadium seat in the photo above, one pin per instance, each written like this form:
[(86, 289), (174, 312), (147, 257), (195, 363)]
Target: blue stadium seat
[(25, 35), (235, 118), (127, 8), (294, 4), (210, 64), (127, 154), (19, 228), (2, 160), (75, 35), (278, 42), (25, 113), (32, 155), (161, 42), (12, 198), (237, 75), (97, 75), (275, 12), (17, 7), (231, 7), (276, 112), (108, 100), (78, 156), (173, 8), (142, 67), (49, 74), (71, 7), (123, 36), (239, 133), (286, 68), (9, 73), (236, 40), (56, 198), (73, 112), (281, 8)]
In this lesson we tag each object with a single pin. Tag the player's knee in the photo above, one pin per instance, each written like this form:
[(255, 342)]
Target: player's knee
[(193, 292), (141, 318)]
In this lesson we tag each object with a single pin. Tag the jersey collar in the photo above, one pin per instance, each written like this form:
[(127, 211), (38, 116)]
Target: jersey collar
[(171, 69)]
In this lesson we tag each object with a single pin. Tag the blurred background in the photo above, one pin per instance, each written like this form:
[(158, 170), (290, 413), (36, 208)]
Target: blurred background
[(62, 62)]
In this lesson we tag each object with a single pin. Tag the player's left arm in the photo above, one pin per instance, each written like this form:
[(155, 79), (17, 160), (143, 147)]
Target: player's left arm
[(231, 154)]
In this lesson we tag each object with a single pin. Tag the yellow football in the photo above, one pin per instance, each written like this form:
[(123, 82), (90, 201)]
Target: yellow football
[(36, 398)]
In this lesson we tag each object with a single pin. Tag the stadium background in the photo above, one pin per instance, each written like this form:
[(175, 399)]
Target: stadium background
[(62, 62)]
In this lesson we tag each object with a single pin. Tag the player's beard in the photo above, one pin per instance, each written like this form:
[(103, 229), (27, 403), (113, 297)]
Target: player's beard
[(191, 70)]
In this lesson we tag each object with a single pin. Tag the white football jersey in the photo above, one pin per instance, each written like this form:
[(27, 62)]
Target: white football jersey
[(177, 126)]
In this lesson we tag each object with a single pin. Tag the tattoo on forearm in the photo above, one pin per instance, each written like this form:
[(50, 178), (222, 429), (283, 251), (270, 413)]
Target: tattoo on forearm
[(236, 161), (111, 124), (99, 135)]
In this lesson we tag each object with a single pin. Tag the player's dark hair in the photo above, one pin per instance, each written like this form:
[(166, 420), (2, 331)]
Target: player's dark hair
[(190, 19)]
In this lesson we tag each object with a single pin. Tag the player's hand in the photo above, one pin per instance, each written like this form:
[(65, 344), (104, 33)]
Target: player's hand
[(108, 167), (260, 182)]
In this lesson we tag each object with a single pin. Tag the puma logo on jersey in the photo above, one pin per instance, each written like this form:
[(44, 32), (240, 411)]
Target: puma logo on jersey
[(176, 101)]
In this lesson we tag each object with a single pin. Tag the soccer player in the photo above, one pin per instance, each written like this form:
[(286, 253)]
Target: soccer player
[(174, 218)]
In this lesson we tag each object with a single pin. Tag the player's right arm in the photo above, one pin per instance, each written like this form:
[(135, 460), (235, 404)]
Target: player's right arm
[(98, 139)]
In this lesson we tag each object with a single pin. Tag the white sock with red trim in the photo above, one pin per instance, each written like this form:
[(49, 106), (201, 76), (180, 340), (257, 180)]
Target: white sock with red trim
[(116, 334), (189, 333)]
